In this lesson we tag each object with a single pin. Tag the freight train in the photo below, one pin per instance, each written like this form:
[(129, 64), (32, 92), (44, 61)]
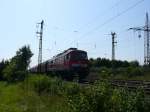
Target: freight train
[(68, 64)]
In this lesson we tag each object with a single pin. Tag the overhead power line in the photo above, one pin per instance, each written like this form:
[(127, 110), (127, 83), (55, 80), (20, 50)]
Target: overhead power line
[(97, 17), (103, 13), (111, 19), (114, 17)]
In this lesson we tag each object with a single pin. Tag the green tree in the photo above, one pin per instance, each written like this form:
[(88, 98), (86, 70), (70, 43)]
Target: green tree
[(103, 62), (3, 65), (134, 63), (18, 65)]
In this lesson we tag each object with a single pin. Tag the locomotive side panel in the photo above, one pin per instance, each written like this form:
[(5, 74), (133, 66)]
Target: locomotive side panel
[(71, 61)]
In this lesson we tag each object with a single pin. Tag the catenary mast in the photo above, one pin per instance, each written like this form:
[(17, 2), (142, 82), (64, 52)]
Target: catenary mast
[(146, 30), (40, 35)]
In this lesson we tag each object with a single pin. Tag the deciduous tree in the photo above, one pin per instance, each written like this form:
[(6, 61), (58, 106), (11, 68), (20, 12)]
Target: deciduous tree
[(18, 65)]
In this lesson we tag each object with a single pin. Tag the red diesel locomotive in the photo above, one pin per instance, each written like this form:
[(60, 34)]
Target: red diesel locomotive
[(67, 64)]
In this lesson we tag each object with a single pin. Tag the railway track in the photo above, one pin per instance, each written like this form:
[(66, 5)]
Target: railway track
[(129, 84), (132, 84)]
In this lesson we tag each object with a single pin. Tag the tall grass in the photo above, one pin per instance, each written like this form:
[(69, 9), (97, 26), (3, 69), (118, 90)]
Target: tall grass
[(40, 93), (25, 97)]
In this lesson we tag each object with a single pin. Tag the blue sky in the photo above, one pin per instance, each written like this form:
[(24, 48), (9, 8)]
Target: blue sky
[(68, 22)]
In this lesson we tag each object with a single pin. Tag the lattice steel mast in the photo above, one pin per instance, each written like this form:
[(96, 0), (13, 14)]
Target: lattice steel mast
[(40, 34), (113, 44), (146, 30), (146, 41)]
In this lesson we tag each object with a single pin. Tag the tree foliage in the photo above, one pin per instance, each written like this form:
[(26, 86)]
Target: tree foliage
[(18, 65), (103, 62), (3, 64)]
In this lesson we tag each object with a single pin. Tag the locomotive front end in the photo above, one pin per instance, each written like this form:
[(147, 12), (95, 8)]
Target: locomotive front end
[(79, 63)]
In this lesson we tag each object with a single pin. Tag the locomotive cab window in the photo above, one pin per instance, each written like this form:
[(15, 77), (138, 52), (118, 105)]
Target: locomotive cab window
[(78, 56)]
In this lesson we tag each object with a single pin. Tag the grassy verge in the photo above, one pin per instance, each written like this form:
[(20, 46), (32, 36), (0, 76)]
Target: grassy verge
[(40, 93), (22, 97)]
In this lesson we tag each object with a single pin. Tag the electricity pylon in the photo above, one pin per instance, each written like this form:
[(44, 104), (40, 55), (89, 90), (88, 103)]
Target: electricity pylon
[(146, 30)]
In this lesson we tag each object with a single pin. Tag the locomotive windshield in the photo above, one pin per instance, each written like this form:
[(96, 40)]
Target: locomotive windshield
[(80, 55)]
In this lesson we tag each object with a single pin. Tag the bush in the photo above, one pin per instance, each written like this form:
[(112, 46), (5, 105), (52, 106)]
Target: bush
[(101, 97), (90, 99), (11, 75), (40, 83), (71, 88), (134, 71), (105, 72)]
